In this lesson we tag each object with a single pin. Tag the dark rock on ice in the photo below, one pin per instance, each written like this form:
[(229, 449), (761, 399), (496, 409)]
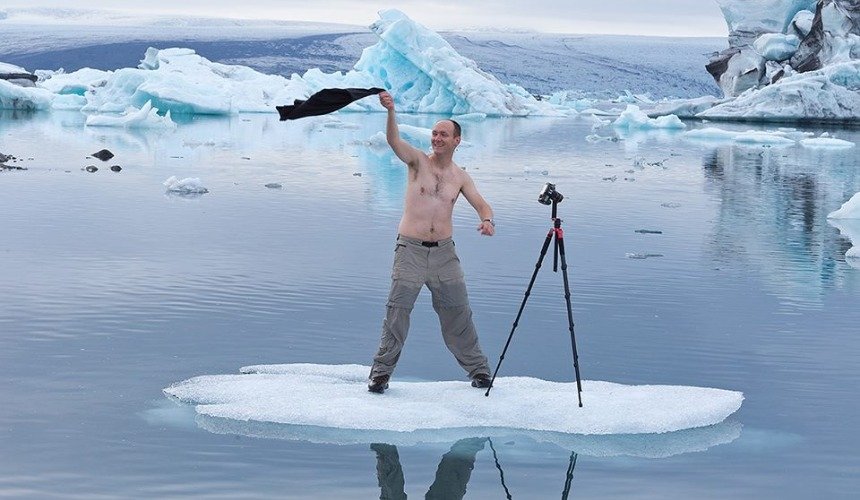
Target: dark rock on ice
[(20, 78), (115, 168), (273, 185), (91, 168), (103, 155), (648, 231)]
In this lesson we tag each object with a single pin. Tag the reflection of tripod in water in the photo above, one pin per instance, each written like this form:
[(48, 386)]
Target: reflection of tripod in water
[(549, 195)]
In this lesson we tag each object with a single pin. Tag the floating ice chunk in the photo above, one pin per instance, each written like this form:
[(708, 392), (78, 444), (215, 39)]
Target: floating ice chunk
[(68, 102), (181, 81), (830, 94), (826, 142), (24, 98), (634, 118), (145, 117), (598, 138), (849, 210), (334, 123), (416, 134), (470, 117), (683, 108), (377, 141), (428, 75), (758, 137), (78, 82), (781, 137), (336, 396), (188, 185), (711, 134), (776, 46)]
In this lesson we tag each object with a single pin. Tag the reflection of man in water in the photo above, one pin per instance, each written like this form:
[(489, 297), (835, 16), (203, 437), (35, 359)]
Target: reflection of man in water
[(424, 253), (452, 475)]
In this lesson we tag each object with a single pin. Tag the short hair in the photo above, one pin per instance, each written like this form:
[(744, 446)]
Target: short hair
[(457, 129)]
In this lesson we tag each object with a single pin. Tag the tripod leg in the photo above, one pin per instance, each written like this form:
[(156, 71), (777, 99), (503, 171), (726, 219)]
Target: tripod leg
[(560, 241), (522, 306)]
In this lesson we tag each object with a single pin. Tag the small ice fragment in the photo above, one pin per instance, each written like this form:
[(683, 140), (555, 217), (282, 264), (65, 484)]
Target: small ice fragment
[(642, 255), (188, 185)]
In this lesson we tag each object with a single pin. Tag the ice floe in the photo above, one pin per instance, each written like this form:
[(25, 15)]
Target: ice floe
[(633, 118), (186, 186), (336, 396), (826, 142)]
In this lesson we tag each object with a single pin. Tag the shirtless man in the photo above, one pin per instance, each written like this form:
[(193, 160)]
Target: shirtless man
[(424, 254)]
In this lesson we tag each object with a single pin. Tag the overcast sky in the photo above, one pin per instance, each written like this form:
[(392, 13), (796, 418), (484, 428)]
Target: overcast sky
[(633, 17)]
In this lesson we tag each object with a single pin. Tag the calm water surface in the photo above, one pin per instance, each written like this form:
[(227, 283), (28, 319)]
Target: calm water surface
[(113, 290)]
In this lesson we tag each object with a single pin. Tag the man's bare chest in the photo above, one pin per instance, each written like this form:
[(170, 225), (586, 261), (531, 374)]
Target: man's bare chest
[(433, 186)]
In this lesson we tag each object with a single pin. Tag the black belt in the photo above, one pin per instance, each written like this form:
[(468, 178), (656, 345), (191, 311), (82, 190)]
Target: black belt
[(430, 244)]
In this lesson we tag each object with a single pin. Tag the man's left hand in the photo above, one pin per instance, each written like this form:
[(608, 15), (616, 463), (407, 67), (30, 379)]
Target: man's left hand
[(486, 228)]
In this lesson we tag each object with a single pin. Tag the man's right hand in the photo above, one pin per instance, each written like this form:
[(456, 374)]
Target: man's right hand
[(386, 100)]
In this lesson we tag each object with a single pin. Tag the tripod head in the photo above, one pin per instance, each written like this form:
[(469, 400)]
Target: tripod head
[(549, 195)]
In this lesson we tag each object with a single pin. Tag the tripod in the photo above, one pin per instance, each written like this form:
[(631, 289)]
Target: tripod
[(558, 249)]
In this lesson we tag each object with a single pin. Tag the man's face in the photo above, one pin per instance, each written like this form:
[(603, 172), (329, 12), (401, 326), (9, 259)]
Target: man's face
[(443, 139)]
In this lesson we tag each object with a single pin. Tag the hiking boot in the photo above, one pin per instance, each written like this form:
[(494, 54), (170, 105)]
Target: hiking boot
[(378, 384), (481, 381)]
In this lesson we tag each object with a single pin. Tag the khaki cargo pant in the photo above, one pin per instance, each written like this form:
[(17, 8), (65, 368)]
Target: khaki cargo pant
[(439, 268)]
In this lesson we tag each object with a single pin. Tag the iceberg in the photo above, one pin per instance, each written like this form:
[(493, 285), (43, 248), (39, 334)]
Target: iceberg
[(16, 75), (830, 94), (776, 46), (789, 60), (14, 96), (633, 118), (182, 82), (849, 210), (424, 73), (336, 396)]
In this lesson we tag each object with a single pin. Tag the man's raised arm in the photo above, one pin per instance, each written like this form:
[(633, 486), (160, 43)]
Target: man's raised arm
[(405, 151)]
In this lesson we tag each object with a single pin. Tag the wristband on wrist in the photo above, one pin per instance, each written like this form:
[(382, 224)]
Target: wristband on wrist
[(492, 223)]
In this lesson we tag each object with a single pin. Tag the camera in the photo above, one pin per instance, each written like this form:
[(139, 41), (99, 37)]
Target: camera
[(549, 195)]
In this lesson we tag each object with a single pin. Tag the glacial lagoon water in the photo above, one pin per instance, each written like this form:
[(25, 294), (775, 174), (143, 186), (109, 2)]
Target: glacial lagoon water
[(113, 289)]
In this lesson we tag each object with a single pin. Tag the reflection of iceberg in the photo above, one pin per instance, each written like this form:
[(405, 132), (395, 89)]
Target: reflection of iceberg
[(849, 228), (771, 214), (632, 445), (336, 396)]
